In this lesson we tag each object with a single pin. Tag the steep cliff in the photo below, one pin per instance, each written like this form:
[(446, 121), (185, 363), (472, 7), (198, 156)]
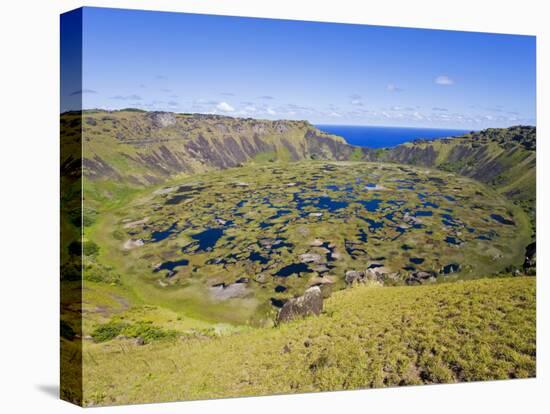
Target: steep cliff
[(141, 148)]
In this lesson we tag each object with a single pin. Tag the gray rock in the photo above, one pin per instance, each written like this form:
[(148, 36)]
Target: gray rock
[(354, 276), (419, 277), (310, 258), (311, 303)]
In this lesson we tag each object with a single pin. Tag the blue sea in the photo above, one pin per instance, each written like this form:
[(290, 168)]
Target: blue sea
[(380, 137)]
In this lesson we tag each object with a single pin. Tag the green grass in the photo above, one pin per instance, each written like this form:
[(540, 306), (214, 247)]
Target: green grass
[(366, 337)]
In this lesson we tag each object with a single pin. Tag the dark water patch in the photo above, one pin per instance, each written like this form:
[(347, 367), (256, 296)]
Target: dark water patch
[(257, 257), (502, 220), (207, 239), (373, 224), (406, 247), (389, 217), (280, 288), (484, 237), (452, 240), (449, 220), (409, 268), (176, 199), (158, 236), (416, 260), (451, 268), (429, 204), (170, 266), (449, 198), (295, 268), (278, 303), (423, 213), (370, 205), (362, 235), (327, 203)]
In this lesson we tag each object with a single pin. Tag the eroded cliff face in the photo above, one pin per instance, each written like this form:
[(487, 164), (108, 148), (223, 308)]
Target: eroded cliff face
[(143, 148)]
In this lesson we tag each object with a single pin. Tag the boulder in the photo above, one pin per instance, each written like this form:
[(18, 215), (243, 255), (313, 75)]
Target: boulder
[(354, 276), (311, 303)]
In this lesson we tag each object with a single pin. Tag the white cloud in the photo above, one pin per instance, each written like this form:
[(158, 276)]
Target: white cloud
[(224, 107), (443, 80), (271, 111)]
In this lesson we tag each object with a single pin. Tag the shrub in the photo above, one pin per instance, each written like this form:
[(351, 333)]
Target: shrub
[(108, 331), (97, 272), (89, 248)]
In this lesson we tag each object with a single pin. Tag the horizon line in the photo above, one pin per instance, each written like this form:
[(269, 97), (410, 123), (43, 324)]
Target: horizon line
[(462, 129)]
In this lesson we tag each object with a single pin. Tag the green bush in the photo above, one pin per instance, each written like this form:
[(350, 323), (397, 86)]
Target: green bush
[(108, 331), (97, 272), (143, 329), (148, 332), (89, 248)]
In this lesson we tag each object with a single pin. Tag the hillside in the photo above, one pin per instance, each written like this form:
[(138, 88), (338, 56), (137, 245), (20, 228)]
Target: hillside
[(133, 148), (504, 158), (365, 337)]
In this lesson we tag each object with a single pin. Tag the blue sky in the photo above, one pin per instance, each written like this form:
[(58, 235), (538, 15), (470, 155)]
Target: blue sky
[(324, 72)]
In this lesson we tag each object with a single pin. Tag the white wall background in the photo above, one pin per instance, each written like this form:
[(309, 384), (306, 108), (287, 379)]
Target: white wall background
[(29, 190)]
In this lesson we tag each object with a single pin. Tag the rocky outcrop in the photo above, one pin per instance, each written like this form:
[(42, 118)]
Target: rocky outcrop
[(162, 119), (311, 303)]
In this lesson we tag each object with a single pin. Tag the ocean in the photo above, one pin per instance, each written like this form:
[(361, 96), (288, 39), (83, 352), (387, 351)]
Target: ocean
[(381, 137)]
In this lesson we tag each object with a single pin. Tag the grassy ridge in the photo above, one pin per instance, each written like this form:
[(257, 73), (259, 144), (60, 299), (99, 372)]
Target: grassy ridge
[(366, 337)]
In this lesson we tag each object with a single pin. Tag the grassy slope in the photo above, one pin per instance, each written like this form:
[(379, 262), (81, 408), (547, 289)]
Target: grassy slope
[(366, 337)]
